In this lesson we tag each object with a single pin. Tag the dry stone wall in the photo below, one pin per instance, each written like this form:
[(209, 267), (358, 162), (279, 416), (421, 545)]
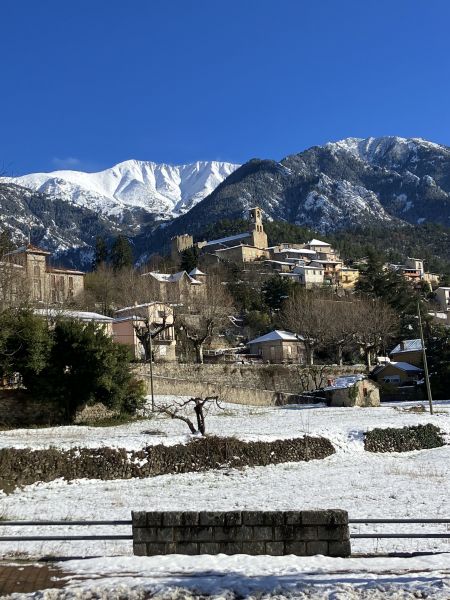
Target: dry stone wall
[(304, 533), (22, 466)]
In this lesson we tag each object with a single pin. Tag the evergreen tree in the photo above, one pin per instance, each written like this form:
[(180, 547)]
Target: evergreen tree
[(6, 243), (189, 259), (71, 364), (101, 252), (275, 291), (121, 253), (438, 358), (391, 287)]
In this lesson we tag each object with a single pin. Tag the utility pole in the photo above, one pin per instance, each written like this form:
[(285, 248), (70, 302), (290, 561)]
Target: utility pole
[(425, 364), (151, 371)]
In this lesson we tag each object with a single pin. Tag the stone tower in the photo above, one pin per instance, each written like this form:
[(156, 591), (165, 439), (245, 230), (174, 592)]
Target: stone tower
[(259, 237), (180, 243)]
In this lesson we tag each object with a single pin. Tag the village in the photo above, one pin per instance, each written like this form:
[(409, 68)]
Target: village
[(180, 317)]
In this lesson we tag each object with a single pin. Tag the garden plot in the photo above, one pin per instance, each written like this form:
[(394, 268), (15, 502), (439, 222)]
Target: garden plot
[(343, 426), (412, 484)]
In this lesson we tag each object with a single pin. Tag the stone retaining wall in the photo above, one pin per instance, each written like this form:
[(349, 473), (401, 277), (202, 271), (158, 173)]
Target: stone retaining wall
[(226, 393), (304, 533), (284, 378)]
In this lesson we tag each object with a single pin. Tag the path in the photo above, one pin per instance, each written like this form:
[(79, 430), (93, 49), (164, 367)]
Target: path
[(22, 578)]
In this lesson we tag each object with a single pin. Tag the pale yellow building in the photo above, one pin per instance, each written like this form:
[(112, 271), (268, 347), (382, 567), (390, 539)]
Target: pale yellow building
[(46, 284)]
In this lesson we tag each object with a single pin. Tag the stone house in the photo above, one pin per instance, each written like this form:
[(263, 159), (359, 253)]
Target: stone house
[(361, 392), (279, 347), (174, 287), (155, 313), (397, 373), (44, 284)]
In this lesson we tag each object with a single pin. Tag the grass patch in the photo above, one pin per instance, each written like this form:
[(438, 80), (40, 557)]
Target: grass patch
[(112, 421)]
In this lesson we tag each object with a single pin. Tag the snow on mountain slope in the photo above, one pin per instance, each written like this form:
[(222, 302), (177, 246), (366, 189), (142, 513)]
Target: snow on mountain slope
[(163, 190), (388, 151)]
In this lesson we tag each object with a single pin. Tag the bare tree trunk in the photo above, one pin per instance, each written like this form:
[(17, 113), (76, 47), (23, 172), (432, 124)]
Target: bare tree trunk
[(200, 418), (340, 355), (199, 352), (368, 353)]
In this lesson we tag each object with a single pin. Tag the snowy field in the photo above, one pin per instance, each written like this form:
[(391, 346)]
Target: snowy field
[(256, 577), (413, 484)]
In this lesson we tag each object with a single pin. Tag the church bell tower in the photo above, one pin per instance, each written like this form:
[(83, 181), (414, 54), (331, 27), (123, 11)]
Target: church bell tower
[(259, 237)]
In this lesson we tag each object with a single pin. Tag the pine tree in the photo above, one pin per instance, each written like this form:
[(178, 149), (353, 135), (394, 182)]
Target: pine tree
[(121, 253), (101, 252), (275, 291), (189, 259)]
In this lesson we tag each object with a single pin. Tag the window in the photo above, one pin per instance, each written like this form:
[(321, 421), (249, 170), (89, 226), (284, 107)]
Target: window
[(391, 379), (36, 271), (70, 283)]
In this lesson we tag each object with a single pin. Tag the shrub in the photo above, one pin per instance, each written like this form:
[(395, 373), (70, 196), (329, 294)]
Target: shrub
[(72, 364), (418, 437)]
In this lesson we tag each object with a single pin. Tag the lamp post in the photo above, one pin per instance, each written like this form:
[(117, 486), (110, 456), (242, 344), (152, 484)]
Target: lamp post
[(425, 363)]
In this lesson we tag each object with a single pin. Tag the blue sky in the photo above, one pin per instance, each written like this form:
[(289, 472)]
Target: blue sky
[(88, 83)]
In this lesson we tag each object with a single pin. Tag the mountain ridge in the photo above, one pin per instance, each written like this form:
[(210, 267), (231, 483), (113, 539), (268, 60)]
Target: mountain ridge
[(356, 182), (162, 190)]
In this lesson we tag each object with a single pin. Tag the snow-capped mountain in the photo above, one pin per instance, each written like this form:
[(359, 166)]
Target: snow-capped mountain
[(349, 183), (162, 190)]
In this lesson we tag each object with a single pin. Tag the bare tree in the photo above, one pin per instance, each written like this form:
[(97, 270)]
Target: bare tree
[(342, 326), (200, 406), (207, 314), (375, 324), (147, 331), (306, 313)]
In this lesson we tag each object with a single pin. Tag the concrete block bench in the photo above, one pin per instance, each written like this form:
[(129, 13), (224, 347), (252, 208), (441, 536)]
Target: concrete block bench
[(276, 533)]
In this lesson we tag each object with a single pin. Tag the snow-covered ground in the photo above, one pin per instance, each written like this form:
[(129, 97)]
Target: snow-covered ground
[(413, 484), (229, 577), (343, 426)]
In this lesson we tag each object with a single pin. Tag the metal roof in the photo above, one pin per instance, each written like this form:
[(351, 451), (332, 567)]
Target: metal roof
[(407, 346), (275, 335)]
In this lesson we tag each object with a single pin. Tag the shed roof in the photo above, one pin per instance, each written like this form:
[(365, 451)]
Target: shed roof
[(276, 335)]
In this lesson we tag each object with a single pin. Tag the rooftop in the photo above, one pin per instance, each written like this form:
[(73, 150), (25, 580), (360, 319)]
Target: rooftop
[(296, 251), (407, 346), (196, 272), (144, 305), (29, 249), (275, 335), (230, 238), (315, 242), (171, 277), (79, 315)]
